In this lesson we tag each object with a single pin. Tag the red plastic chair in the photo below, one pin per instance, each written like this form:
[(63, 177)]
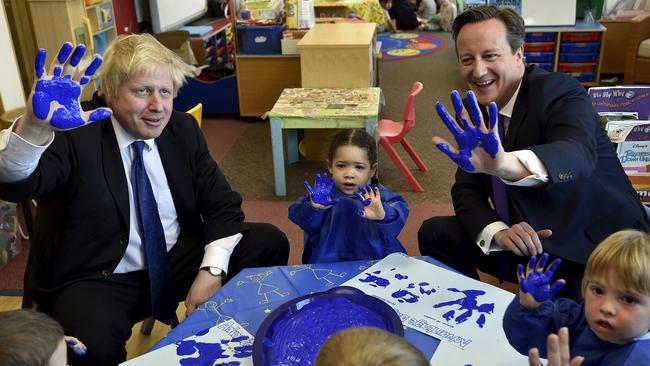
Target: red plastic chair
[(391, 132)]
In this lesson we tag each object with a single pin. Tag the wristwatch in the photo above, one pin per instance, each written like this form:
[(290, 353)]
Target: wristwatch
[(216, 272)]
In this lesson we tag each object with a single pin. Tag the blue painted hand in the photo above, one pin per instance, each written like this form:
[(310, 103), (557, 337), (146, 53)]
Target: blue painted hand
[(472, 134), (537, 281), (321, 194), (61, 92), (370, 199)]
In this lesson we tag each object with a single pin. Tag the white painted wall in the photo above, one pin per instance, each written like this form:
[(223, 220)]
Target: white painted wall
[(11, 88)]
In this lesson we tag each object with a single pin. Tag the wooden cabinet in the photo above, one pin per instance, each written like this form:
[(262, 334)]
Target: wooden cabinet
[(59, 21), (575, 50), (339, 55)]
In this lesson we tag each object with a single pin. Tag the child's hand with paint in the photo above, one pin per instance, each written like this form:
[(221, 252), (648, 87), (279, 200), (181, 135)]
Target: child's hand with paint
[(535, 285), (75, 345), (370, 198), (321, 193), (54, 101)]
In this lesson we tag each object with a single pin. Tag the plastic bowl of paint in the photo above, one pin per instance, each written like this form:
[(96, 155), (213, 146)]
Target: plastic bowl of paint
[(294, 332)]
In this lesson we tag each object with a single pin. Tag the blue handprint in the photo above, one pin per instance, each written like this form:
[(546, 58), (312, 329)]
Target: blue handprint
[(538, 282), (321, 194), (364, 201), (471, 135), (63, 90)]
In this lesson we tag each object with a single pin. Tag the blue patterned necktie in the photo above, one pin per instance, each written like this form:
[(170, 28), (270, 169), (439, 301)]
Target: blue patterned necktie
[(500, 201), (163, 296)]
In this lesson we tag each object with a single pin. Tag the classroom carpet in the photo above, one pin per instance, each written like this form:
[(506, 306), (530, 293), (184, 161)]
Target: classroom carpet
[(404, 45)]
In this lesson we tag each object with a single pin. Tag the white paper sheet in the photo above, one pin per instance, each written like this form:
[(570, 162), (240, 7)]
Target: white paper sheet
[(226, 343), (465, 314)]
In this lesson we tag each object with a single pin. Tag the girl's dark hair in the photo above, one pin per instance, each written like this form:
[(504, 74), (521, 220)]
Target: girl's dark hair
[(358, 138)]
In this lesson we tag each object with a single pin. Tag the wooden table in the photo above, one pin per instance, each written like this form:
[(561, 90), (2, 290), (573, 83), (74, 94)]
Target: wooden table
[(307, 108)]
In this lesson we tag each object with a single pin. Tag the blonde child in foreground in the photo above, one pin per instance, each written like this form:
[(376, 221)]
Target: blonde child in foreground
[(365, 346), (30, 338), (612, 326)]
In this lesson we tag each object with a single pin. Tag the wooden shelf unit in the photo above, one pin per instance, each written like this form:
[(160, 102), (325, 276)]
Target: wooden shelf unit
[(567, 43)]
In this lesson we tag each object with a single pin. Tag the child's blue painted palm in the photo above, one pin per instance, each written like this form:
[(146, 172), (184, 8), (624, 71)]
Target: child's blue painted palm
[(62, 92), (471, 135), (537, 282), (321, 193)]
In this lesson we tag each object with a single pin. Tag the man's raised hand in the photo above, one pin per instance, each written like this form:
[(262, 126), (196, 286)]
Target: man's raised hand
[(55, 96), (473, 133)]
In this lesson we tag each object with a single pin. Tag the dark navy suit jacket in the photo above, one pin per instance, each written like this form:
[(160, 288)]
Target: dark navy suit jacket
[(588, 195)]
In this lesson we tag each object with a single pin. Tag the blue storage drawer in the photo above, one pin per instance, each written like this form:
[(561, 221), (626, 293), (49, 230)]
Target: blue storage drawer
[(260, 39), (539, 56), (585, 47), (578, 57), (541, 37)]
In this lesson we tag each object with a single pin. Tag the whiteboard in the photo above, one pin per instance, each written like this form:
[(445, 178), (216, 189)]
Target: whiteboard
[(168, 15), (548, 12)]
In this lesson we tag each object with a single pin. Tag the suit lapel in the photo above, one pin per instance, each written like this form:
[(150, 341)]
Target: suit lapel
[(177, 170), (114, 170), (518, 114)]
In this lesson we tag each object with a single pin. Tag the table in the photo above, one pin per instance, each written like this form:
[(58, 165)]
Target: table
[(368, 10), (299, 108), (255, 292)]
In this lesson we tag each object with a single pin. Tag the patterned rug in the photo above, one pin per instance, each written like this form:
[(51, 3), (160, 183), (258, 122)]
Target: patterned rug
[(400, 46)]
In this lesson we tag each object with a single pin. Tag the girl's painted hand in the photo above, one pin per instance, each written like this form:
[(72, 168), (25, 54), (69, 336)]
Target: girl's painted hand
[(321, 194), (370, 198), (75, 345), (535, 286), (55, 97)]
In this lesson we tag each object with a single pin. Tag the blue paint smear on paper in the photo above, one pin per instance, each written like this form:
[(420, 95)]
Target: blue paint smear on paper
[(375, 281), (468, 304)]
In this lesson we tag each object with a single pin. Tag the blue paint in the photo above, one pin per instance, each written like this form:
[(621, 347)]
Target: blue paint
[(471, 135), (65, 92), (208, 353), (411, 285), (376, 272), (424, 291), (538, 282), (401, 276), (77, 55), (297, 339), (39, 62), (375, 281), (240, 338), (469, 304), (64, 52), (91, 70), (243, 351), (405, 296), (203, 332), (321, 193)]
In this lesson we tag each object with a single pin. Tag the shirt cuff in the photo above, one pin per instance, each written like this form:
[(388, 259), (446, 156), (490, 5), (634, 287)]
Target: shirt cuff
[(217, 254), (539, 174), (484, 240), (18, 157)]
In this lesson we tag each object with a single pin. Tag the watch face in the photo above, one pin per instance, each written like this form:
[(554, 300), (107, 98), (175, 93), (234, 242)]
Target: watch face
[(215, 271)]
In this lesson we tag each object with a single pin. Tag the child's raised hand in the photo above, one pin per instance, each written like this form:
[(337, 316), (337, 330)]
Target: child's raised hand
[(370, 198), (75, 345), (321, 194), (535, 286)]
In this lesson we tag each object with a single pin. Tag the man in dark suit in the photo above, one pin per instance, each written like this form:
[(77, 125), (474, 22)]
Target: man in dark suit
[(134, 215), (563, 186)]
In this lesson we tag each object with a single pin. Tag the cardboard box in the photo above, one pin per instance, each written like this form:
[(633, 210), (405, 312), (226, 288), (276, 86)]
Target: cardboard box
[(290, 46)]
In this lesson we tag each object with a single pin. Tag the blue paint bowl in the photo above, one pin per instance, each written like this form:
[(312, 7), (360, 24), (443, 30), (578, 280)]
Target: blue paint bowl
[(274, 342)]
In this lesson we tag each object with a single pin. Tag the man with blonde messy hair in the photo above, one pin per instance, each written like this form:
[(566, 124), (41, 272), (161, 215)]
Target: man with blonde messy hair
[(366, 346), (134, 215)]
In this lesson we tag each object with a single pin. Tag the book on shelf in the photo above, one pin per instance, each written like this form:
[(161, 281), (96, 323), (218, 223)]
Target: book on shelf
[(622, 99)]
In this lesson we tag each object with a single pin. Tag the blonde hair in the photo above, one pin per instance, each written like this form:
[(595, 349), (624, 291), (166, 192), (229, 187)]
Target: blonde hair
[(365, 346), (134, 54), (28, 338), (624, 254)]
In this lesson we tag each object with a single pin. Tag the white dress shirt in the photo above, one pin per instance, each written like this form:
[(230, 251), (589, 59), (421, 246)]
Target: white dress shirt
[(539, 174), (19, 158)]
